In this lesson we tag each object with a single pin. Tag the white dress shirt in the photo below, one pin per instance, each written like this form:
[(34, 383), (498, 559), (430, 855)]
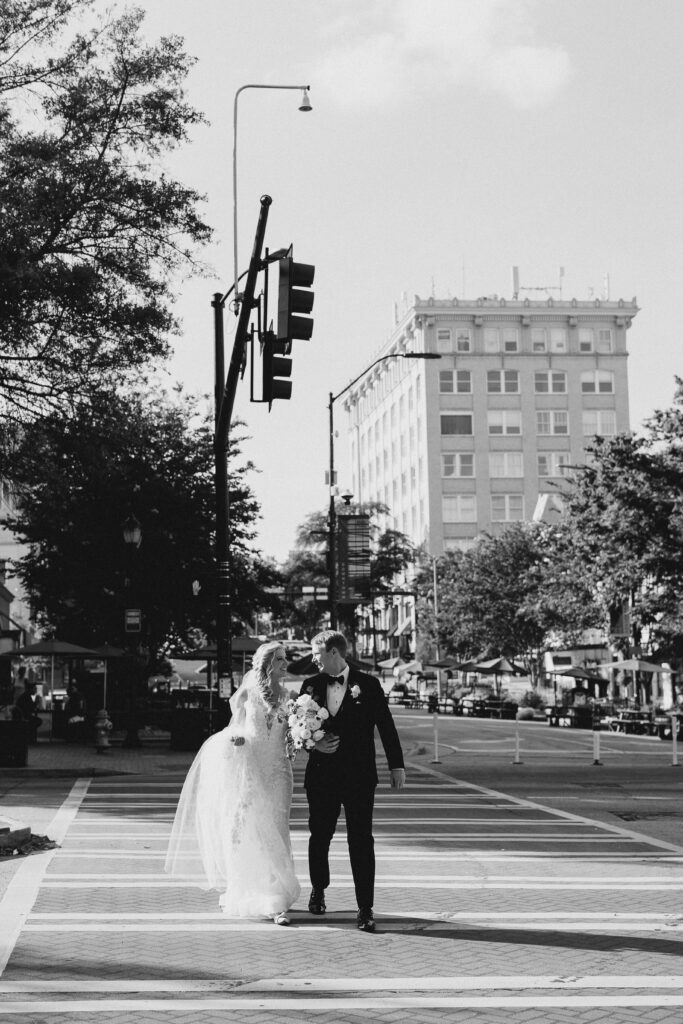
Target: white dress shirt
[(336, 692)]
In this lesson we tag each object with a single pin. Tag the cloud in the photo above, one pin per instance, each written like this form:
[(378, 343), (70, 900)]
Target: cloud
[(380, 52)]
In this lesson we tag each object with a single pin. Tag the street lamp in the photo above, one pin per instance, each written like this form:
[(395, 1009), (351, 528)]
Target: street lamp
[(132, 536), (304, 106), (332, 517)]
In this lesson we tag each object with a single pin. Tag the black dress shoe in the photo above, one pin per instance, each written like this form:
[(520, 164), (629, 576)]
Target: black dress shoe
[(365, 920), (316, 903)]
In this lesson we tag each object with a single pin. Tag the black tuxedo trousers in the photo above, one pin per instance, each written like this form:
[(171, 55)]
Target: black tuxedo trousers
[(348, 779)]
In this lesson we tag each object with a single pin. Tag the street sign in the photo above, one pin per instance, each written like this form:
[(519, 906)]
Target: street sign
[(133, 620)]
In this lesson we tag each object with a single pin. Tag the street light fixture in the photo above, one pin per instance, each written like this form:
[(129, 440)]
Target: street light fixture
[(132, 536), (332, 516), (304, 106)]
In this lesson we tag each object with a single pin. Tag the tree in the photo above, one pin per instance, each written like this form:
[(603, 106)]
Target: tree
[(500, 598), (77, 478), (307, 565), (93, 231), (624, 527)]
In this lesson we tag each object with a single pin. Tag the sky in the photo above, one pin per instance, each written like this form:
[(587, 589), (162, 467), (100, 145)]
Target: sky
[(449, 141)]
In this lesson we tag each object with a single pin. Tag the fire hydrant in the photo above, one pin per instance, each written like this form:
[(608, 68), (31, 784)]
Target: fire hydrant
[(102, 729)]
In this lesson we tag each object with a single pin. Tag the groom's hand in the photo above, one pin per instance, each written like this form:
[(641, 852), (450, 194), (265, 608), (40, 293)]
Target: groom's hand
[(398, 778), (328, 744)]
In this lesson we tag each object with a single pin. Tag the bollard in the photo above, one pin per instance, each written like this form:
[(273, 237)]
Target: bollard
[(435, 722), (674, 741), (517, 759), (596, 737)]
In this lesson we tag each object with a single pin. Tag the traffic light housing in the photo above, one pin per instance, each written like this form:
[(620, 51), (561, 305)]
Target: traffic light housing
[(276, 365), (294, 298)]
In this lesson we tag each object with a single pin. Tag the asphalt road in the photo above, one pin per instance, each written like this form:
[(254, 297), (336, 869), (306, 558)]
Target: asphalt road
[(635, 786)]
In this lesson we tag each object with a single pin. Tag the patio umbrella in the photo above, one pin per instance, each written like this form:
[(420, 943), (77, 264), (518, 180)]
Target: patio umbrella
[(636, 665), (390, 663), (443, 663), (52, 649), (496, 667), (105, 654), (581, 673)]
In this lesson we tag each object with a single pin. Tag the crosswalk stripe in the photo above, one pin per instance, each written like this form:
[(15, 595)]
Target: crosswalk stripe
[(378, 1002), (464, 983)]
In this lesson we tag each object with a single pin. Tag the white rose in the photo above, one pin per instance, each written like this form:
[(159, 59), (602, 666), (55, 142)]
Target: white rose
[(291, 721), (323, 714), (306, 733), (304, 700), (318, 734)]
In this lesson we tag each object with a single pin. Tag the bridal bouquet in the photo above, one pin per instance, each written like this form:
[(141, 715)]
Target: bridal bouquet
[(305, 720)]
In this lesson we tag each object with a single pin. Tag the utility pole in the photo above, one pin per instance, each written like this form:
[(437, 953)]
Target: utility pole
[(225, 391)]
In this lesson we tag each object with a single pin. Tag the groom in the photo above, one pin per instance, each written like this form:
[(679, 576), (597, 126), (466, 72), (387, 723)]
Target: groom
[(341, 770)]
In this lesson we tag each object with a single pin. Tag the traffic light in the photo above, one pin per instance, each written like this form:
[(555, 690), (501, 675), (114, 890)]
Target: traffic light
[(275, 365), (294, 298)]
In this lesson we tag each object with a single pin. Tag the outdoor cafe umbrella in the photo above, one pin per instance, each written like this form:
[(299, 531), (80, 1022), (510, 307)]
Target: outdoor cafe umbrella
[(52, 649), (496, 667), (580, 673), (636, 665), (390, 663)]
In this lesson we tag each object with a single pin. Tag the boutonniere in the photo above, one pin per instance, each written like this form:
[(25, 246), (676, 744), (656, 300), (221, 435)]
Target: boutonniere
[(355, 691)]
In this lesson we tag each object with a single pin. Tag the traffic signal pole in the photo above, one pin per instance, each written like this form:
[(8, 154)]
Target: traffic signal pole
[(225, 391), (332, 527)]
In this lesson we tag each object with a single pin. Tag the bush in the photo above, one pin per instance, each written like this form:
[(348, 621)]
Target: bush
[(532, 699)]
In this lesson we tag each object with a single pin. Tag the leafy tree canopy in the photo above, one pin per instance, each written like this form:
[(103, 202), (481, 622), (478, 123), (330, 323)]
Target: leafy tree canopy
[(501, 598), (92, 229), (307, 565), (77, 479), (625, 526)]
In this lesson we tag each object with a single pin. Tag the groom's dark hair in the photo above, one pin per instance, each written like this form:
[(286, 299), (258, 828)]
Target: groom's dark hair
[(331, 638)]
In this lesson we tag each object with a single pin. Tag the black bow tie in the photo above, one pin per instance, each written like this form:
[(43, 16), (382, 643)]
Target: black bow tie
[(337, 679)]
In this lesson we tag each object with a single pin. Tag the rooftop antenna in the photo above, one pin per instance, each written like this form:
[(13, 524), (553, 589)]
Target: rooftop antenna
[(547, 288)]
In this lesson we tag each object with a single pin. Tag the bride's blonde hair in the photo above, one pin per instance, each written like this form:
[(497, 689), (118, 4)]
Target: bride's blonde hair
[(263, 659)]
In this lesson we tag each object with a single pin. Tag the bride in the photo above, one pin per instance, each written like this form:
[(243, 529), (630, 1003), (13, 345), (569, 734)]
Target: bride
[(231, 828)]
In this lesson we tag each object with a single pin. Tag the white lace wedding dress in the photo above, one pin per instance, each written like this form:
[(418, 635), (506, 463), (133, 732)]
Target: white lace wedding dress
[(231, 828)]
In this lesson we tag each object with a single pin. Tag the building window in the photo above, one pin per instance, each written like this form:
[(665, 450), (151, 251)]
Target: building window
[(558, 339), (505, 421), (550, 382), (491, 339), (502, 381), (443, 340), (458, 543), (599, 421), (456, 423), (552, 421), (605, 341), (510, 339), (585, 339), (457, 464), (539, 340), (507, 508), (506, 464), (552, 463), (463, 382), (459, 508), (597, 382), (463, 340), (446, 382)]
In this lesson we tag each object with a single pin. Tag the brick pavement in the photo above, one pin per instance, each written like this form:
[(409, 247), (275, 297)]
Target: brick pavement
[(109, 855)]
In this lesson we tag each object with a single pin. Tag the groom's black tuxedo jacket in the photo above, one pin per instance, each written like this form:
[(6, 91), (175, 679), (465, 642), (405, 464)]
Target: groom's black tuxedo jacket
[(354, 723)]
